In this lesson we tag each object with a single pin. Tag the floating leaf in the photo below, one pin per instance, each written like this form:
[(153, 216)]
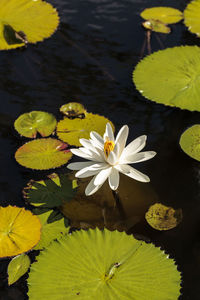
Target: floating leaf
[(190, 141), (157, 26), (191, 17), (43, 154), (100, 265), (17, 267), (171, 77), (53, 227), (26, 21), (163, 217), (30, 123), (167, 15), (51, 192), (19, 230), (71, 130), (73, 109)]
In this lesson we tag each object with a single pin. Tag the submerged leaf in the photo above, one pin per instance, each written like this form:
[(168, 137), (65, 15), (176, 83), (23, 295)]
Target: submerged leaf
[(17, 267), (43, 154), (71, 130), (157, 26), (163, 217), (171, 77), (190, 141), (73, 109), (191, 17), (19, 230), (100, 265), (30, 123), (26, 21), (167, 15)]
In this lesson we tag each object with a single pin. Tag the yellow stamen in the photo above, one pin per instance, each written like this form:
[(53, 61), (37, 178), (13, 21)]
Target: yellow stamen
[(108, 147)]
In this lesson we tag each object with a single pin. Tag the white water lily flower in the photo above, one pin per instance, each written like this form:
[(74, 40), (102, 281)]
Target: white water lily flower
[(108, 156)]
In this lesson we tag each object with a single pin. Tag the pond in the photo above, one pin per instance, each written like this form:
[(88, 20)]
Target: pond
[(90, 60)]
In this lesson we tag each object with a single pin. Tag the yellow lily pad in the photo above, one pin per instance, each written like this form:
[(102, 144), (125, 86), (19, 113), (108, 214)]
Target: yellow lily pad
[(163, 217), (71, 130), (17, 267), (20, 230), (73, 109), (189, 141), (167, 15), (26, 21), (191, 17), (156, 25)]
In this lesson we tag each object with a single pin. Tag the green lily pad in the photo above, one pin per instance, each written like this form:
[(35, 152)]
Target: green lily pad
[(26, 21), (30, 123), (100, 265), (189, 141), (156, 25), (191, 17), (43, 154), (171, 77), (17, 267), (51, 192), (167, 15), (71, 130), (73, 109)]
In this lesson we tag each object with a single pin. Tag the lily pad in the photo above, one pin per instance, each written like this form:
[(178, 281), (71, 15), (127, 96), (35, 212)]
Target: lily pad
[(43, 154), (191, 17), (100, 265), (167, 15), (51, 192), (30, 123), (26, 21), (156, 25), (20, 230), (190, 141), (17, 267), (171, 77), (71, 130), (163, 217), (73, 109)]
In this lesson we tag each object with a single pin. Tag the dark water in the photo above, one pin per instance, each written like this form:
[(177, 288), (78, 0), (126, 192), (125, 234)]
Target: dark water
[(90, 60)]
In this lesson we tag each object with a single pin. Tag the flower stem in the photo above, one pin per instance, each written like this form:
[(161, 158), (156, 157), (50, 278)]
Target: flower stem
[(119, 205)]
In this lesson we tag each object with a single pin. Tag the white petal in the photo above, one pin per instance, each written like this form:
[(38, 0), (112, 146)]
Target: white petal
[(102, 176), (79, 165), (113, 179), (91, 170), (80, 153), (133, 173), (112, 158), (116, 150), (87, 154), (91, 188), (109, 133), (135, 146), (122, 137), (87, 144), (96, 140), (137, 157)]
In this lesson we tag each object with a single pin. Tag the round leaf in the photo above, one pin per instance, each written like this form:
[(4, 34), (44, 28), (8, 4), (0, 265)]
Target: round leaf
[(43, 154), (189, 142), (73, 109), (191, 17), (157, 26), (100, 265), (71, 130), (30, 123), (19, 231), (167, 15), (17, 267), (171, 77), (162, 217), (26, 21)]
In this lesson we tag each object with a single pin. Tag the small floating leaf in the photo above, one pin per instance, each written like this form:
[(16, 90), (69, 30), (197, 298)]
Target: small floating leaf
[(19, 230), (163, 217), (17, 267), (26, 21), (30, 123), (97, 264), (43, 154), (190, 141), (71, 130), (171, 77), (167, 15), (191, 17), (156, 25), (51, 192), (73, 109)]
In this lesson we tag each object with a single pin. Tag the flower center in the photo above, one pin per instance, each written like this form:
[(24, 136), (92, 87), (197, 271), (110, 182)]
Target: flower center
[(108, 147)]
